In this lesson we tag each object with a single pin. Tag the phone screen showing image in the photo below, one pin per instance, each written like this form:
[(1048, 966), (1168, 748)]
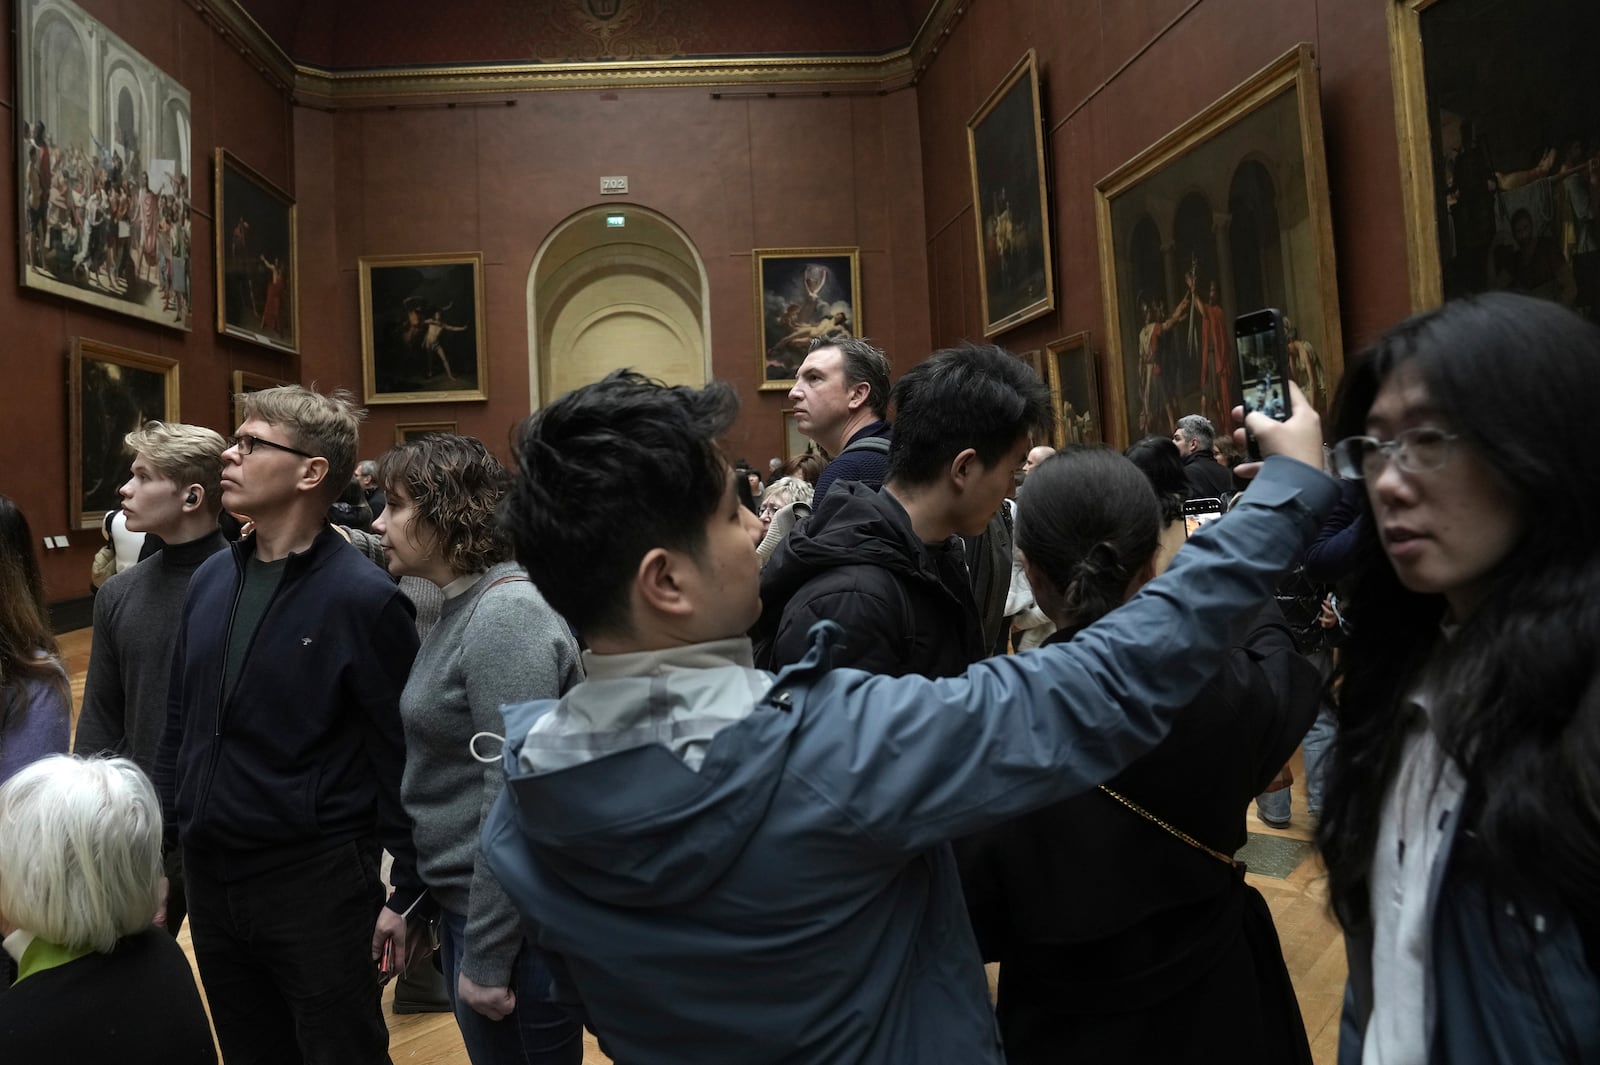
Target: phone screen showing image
[(1263, 363), (1197, 512)]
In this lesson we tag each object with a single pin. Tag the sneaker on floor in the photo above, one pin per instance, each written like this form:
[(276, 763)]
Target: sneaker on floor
[(1271, 822)]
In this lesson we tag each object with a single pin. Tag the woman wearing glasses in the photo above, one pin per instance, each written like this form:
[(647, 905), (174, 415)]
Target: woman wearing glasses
[(1461, 825), (496, 642)]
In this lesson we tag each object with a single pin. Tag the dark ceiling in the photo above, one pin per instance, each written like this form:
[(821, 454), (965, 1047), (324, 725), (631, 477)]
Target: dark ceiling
[(351, 34)]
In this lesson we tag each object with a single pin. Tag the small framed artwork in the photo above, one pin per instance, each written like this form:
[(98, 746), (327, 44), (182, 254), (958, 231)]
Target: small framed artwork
[(803, 294), (1173, 279), (795, 442), (243, 382), (1075, 388), (1035, 359), (423, 338), (258, 296), (103, 168), (405, 431), (1011, 205), (111, 392)]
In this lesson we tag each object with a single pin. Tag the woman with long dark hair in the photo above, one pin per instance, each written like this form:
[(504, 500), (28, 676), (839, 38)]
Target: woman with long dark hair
[(35, 700), (1124, 928), (1461, 824)]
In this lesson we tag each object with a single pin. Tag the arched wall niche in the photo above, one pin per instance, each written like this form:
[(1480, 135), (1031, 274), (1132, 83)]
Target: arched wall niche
[(602, 297)]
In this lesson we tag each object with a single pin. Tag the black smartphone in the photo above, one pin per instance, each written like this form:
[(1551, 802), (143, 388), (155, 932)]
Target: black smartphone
[(1196, 512), (1263, 367)]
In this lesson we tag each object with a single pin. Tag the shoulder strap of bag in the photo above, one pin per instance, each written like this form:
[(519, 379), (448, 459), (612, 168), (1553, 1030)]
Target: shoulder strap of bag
[(880, 444), (1170, 830)]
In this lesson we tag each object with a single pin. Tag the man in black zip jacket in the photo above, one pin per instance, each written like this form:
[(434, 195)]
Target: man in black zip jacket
[(280, 764)]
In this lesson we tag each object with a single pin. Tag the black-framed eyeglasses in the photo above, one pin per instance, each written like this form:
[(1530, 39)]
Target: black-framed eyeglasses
[(1419, 450), (245, 443)]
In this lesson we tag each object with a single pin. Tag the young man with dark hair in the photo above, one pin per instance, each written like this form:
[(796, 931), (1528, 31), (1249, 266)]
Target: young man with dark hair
[(841, 400), (174, 491), (887, 565), (724, 865), (279, 767)]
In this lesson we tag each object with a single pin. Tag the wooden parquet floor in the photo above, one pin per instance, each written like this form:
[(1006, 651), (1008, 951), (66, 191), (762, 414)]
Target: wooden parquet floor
[(1312, 945)]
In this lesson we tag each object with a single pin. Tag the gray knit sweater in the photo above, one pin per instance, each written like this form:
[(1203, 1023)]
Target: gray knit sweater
[(136, 616), (496, 643)]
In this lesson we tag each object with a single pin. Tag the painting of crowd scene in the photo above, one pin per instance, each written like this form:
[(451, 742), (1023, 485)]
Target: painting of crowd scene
[(422, 323), (1511, 87), (257, 298), (803, 295), (1006, 151), (103, 168), (1226, 216)]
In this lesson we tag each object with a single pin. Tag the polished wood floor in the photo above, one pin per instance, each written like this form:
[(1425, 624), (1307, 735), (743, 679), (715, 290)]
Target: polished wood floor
[(1312, 946)]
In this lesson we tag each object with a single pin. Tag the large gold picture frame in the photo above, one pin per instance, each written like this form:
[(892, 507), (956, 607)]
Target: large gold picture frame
[(802, 294), (423, 331), (1075, 389), (1011, 202), (257, 257), (111, 392), (1225, 215), (1494, 113)]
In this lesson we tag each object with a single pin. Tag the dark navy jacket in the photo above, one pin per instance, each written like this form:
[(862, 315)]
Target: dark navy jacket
[(307, 752)]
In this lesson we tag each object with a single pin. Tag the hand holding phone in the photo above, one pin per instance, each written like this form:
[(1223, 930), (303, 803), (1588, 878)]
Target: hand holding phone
[(1263, 369), (1198, 512)]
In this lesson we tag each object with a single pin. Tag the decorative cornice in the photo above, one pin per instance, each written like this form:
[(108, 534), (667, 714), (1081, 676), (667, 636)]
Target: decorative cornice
[(324, 87)]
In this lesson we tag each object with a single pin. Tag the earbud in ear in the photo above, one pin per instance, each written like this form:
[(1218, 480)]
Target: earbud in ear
[(193, 499)]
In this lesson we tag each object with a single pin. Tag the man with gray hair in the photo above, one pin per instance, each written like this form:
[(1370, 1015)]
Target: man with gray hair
[(1207, 477), (367, 474), (279, 767), (841, 400)]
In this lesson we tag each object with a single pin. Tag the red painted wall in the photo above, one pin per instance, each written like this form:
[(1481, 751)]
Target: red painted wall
[(733, 174), (231, 106), (1118, 76)]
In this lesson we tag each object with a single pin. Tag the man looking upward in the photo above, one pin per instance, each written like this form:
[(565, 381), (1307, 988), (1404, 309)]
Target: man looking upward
[(841, 400)]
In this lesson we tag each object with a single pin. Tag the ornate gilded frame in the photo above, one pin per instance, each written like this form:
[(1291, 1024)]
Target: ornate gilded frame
[(235, 181), (1294, 72), (1423, 268), (767, 262), (1063, 356), (984, 171), (80, 514), (370, 319)]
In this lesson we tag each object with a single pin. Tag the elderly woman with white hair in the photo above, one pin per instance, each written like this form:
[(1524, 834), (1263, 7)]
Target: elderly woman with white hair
[(80, 881), (786, 501)]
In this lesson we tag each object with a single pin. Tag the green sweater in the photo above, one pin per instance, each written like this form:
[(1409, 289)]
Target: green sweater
[(494, 644)]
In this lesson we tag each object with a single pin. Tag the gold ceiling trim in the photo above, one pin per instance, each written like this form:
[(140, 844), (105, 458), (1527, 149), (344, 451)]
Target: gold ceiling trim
[(331, 88)]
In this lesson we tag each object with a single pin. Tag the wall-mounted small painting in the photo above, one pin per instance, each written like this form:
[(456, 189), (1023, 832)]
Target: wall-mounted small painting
[(111, 392), (257, 268), (802, 295), (423, 337)]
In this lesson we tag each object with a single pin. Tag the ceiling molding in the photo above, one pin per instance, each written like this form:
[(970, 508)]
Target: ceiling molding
[(335, 89)]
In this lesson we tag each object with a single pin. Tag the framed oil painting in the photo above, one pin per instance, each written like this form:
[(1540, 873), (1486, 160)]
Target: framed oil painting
[(1499, 150), (405, 431), (1225, 215), (103, 179), (795, 442), (258, 296), (111, 392), (243, 382), (1075, 388), (1010, 203), (1035, 359), (803, 294), (423, 338)]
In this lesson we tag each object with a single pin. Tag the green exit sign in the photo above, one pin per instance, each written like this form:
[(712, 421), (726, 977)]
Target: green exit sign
[(616, 221)]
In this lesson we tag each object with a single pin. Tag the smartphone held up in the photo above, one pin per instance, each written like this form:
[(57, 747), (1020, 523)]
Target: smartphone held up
[(1263, 368)]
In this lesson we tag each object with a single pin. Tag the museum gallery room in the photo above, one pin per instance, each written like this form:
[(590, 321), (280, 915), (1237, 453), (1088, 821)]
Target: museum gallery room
[(460, 211)]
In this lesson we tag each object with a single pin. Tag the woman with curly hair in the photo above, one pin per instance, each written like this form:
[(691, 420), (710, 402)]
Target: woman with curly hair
[(496, 642), (1461, 818)]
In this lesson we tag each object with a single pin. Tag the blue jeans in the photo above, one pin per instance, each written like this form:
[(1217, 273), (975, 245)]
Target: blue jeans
[(286, 959), (536, 1033), (1316, 745)]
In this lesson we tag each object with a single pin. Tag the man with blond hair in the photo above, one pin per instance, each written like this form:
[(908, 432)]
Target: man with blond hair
[(174, 490), (280, 763)]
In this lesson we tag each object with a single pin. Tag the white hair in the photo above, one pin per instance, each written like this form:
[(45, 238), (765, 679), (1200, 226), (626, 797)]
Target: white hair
[(790, 489), (80, 851)]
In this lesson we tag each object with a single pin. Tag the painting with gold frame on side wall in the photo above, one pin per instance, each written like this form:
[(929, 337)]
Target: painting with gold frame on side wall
[(1499, 147), (802, 295), (1075, 389), (111, 392), (244, 381), (257, 257), (408, 431), (1011, 202), (1225, 215)]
